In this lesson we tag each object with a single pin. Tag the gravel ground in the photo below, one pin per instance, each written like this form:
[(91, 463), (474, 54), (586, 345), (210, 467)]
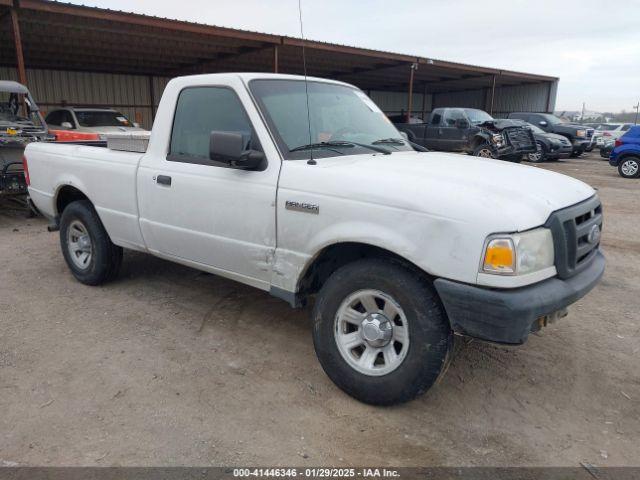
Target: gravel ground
[(169, 366)]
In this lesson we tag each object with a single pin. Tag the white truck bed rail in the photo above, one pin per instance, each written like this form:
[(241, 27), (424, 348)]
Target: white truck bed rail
[(128, 142)]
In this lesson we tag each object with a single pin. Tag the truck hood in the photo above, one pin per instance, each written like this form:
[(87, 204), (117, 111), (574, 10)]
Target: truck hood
[(501, 196)]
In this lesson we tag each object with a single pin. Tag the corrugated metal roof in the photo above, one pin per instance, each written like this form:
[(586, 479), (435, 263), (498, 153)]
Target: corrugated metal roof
[(57, 35)]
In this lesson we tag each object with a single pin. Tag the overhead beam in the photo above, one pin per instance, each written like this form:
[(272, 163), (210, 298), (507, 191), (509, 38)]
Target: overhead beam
[(212, 63), (361, 70)]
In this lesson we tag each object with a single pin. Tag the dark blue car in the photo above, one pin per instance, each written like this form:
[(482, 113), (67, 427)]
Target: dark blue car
[(626, 154)]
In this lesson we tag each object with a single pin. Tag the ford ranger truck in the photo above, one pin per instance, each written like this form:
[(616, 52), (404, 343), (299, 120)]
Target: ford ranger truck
[(393, 249)]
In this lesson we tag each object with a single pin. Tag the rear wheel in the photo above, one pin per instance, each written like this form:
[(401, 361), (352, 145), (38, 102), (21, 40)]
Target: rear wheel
[(576, 153), (91, 256), (380, 332), (539, 155), (629, 167)]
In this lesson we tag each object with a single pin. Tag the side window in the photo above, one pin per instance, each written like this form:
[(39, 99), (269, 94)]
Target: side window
[(54, 118), (625, 128), (453, 114), (67, 117), (436, 118), (201, 110)]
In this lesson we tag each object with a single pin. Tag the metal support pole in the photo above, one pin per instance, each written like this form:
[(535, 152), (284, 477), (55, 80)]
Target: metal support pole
[(414, 67), (493, 94), (275, 59), (152, 101), (22, 73), (424, 102)]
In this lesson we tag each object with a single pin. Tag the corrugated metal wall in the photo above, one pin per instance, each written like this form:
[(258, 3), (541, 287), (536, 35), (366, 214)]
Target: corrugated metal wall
[(131, 94), (396, 102), (535, 97)]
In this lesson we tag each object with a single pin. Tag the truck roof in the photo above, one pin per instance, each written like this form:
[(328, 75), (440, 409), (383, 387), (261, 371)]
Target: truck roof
[(12, 87), (248, 76)]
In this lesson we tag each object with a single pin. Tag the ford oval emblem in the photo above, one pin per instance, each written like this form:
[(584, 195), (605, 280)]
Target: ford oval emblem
[(594, 235)]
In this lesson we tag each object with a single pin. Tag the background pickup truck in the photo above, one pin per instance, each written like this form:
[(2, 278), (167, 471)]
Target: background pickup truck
[(578, 135), (304, 189), (472, 131)]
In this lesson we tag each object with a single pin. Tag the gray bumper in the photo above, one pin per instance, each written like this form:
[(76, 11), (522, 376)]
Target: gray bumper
[(508, 316)]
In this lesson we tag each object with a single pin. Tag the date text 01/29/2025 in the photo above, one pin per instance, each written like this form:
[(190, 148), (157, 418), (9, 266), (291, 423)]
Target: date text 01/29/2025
[(316, 472)]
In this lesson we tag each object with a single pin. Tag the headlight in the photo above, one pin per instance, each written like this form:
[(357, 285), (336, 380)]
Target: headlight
[(581, 133), (518, 253), (498, 139)]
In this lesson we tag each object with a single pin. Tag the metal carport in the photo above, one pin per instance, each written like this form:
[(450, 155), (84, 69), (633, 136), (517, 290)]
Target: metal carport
[(70, 54)]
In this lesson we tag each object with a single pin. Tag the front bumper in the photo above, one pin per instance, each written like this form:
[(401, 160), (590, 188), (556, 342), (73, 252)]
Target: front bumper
[(580, 145), (508, 316), (563, 151)]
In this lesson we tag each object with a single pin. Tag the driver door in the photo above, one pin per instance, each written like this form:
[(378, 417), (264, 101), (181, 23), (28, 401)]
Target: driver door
[(453, 138), (200, 212)]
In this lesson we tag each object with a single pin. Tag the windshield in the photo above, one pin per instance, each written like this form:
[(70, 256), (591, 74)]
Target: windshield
[(533, 128), (337, 113), (608, 127), (101, 118), (552, 119), (476, 117), (15, 108)]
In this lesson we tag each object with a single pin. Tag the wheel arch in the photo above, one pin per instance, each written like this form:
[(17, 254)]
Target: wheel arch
[(334, 256), (627, 154), (478, 139), (65, 194)]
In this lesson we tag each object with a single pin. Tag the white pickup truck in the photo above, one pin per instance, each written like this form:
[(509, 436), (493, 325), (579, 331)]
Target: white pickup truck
[(304, 189)]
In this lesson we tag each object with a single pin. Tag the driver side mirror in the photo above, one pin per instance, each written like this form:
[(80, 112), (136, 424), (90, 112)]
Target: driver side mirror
[(66, 125), (229, 148), (462, 123), (542, 123)]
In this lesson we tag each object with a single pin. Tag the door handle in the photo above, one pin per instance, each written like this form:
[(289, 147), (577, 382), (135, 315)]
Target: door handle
[(164, 180)]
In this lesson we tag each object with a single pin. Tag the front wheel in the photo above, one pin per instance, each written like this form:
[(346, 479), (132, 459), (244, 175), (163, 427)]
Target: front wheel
[(629, 167), (91, 256), (484, 150), (380, 332), (576, 153)]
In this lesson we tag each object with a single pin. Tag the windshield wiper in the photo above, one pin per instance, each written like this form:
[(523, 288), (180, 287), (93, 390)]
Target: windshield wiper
[(400, 141), (342, 144), (389, 141)]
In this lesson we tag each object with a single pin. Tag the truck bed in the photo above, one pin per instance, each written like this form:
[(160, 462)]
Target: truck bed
[(106, 177)]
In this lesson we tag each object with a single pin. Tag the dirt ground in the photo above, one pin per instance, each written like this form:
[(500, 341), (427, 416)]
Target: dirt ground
[(169, 366)]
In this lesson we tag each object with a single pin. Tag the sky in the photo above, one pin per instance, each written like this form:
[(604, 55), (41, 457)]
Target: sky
[(592, 45)]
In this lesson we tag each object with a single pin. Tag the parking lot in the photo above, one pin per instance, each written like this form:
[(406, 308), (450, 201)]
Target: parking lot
[(170, 366)]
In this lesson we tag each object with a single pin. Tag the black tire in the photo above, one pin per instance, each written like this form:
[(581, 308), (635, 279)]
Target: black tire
[(576, 153), (629, 167), (484, 150), (430, 336), (105, 259), (540, 155)]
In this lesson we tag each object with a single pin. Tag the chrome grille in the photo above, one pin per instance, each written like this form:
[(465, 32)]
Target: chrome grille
[(571, 228)]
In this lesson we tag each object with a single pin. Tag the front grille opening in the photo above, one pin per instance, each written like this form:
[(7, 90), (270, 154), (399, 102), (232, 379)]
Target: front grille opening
[(571, 229)]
